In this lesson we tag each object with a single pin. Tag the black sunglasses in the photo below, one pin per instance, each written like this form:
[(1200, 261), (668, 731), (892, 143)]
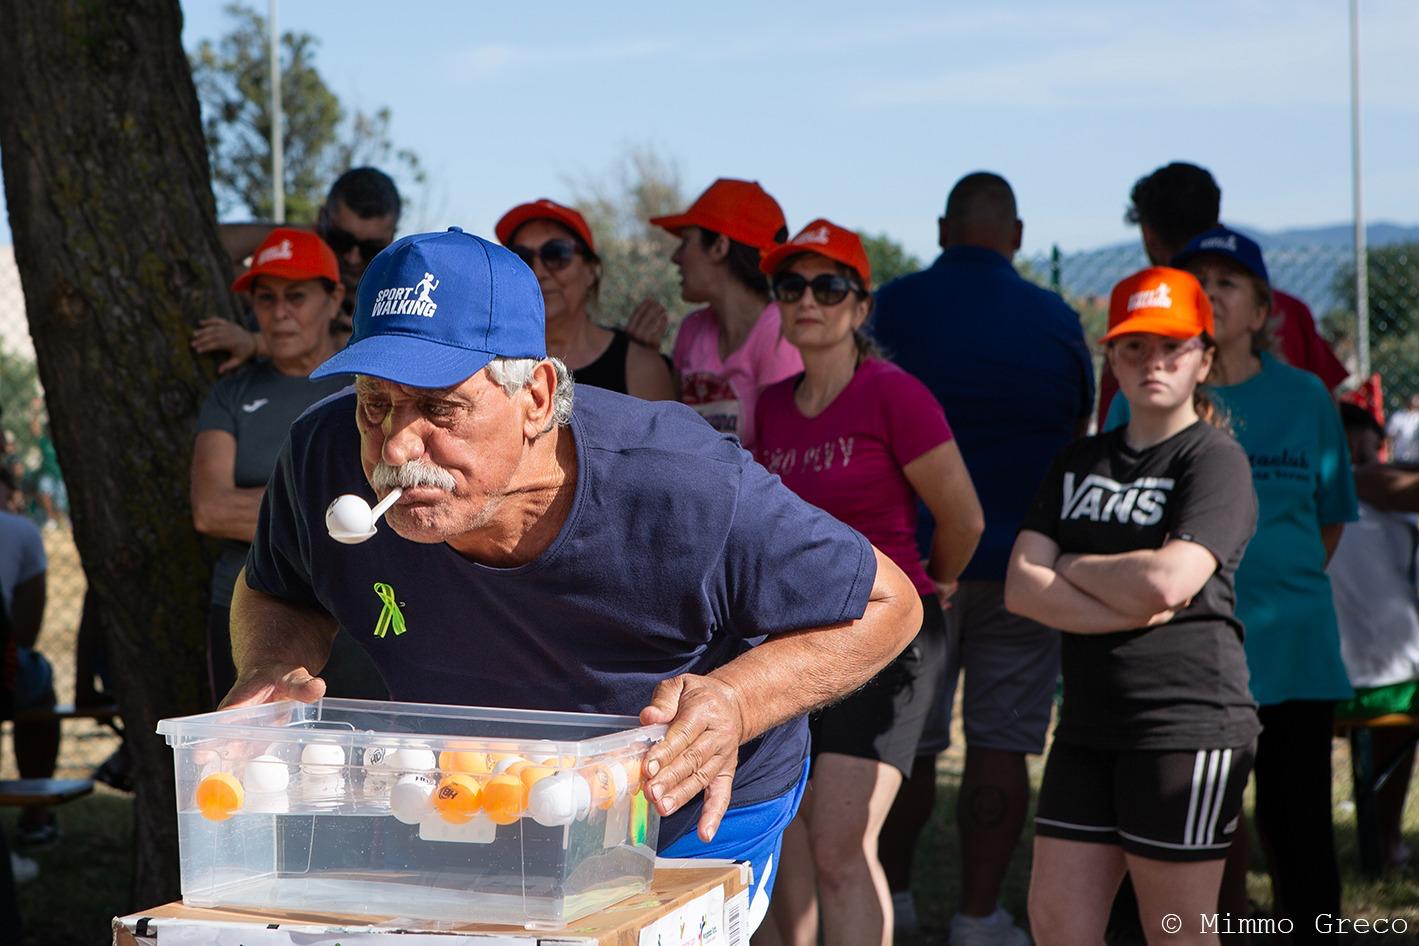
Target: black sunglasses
[(555, 254), (342, 241), (828, 288)]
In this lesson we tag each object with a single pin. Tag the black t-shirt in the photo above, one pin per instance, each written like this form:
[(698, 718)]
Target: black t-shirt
[(1180, 685)]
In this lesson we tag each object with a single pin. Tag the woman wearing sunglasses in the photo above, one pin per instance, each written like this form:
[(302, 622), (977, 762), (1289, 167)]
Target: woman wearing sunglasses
[(1288, 424), (730, 350), (863, 440), (1131, 549), (555, 243)]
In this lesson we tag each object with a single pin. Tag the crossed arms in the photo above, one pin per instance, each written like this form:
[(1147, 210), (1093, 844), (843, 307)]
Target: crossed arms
[(1100, 594)]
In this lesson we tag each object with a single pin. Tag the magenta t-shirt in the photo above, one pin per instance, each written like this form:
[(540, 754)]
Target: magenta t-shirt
[(725, 390), (848, 460)]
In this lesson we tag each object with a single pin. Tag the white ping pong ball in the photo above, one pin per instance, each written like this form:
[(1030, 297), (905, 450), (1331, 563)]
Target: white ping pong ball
[(349, 519), (411, 799), (322, 758), (266, 773)]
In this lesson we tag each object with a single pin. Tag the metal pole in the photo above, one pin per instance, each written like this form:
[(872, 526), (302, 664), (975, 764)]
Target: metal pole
[(1362, 273), (278, 158)]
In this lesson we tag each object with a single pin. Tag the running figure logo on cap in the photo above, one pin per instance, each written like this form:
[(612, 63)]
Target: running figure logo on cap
[(398, 301), (816, 235)]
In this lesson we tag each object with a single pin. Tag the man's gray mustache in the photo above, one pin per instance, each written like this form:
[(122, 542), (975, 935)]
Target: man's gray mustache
[(411, 474)]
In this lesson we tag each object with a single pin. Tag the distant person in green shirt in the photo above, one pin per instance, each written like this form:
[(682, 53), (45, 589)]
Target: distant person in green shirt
[(1285, 420)]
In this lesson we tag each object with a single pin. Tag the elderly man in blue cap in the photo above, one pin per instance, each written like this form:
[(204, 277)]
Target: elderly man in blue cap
[(552, 550)]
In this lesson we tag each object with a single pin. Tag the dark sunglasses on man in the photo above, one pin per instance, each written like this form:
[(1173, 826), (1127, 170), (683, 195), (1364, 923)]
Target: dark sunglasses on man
[(342, 240), (555, 254), (828, 288)]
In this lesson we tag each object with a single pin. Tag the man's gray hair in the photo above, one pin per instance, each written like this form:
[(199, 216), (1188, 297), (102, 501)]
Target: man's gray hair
[(514, 374)]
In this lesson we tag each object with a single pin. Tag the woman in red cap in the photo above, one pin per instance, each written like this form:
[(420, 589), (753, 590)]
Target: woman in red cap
[(727, 352), (1131, 549), (862, 439), (295, 293), (556, 244)]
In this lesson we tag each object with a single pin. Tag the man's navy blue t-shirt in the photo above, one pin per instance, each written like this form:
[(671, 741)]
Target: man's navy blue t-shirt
[(679, 554), (1008, 362)]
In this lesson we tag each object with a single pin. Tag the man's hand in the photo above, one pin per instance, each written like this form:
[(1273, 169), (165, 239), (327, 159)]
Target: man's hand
[(215, 334), (945, 591), (270, 684), (648, 323), (700, 750)]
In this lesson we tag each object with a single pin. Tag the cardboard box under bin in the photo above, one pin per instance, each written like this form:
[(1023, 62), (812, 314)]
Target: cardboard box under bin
[(690, 903)]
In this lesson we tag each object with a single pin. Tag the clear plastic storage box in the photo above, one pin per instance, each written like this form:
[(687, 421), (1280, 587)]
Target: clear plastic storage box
[(447, 814)]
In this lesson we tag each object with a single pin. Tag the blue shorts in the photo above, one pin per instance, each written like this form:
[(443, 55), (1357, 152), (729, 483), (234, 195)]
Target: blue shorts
[(753, 833)]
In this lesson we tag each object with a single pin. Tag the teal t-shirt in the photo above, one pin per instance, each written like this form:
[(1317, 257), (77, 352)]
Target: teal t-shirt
[(1288, 425)]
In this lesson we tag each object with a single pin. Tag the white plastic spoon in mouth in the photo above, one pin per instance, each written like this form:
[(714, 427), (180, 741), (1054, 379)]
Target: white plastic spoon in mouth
[(350, 520)]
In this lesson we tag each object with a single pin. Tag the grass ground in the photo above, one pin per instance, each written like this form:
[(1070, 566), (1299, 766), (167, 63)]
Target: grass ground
[(83, 880)]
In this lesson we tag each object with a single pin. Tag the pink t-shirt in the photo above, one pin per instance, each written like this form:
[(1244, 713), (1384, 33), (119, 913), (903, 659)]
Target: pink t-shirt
[(848, 460), (724, 391)]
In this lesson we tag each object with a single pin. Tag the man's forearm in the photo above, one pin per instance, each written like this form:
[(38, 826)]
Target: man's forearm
[(270, 632), (797, 672), (1389, 486)]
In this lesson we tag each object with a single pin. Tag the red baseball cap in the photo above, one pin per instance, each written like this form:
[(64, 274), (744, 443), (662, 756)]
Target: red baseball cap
[(826, 239), (543, 209), (1159, 300), (741, 210), (290, 254)]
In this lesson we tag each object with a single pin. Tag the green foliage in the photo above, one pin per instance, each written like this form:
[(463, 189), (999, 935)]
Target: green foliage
[(319, 139), (1394, 317), (635, 257), (20, 397), (889, 258)]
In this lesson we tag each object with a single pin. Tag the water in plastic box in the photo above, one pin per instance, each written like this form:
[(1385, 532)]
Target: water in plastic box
[(353, 856)]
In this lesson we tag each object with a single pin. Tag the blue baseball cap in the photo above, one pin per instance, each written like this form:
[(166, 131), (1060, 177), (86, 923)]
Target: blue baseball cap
[(1224, 241), (434, 308)]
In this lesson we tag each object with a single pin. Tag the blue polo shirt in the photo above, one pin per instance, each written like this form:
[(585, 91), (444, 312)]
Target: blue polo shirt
[(1008, 361), (679, 554)]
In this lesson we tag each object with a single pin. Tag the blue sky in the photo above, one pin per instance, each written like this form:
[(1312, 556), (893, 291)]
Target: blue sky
[(867, 114)]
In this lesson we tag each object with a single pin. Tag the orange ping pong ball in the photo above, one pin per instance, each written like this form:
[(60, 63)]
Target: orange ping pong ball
[(532, 774), (219, 795), (457, 798), (504, 798), (473, 762)]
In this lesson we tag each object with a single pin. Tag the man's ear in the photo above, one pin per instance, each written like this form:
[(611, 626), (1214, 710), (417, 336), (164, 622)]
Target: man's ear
[(538, 396)]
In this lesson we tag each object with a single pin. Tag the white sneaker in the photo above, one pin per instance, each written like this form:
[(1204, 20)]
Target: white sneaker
[(904, 919), (998, 929), (23, 868)]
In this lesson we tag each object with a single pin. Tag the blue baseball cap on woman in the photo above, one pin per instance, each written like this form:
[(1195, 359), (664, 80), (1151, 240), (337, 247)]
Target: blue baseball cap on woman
[(434, 308), (1224, 241)]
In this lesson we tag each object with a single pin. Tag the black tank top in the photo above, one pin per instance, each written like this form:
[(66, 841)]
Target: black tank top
[(608, 371)]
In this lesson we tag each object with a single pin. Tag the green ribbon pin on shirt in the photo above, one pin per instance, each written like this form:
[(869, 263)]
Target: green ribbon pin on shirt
[(390, 616)]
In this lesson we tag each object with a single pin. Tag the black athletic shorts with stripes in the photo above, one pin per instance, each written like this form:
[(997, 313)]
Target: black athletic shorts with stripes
[(1172, 805)]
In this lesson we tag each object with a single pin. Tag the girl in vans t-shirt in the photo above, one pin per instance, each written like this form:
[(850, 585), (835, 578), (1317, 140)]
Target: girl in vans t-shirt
[(1130, 550)]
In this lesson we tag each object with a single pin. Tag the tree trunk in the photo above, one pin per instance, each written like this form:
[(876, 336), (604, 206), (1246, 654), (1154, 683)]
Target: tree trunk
[(116, 241)]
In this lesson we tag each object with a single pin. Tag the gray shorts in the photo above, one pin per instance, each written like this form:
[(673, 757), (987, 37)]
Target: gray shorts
[(1011, 666)]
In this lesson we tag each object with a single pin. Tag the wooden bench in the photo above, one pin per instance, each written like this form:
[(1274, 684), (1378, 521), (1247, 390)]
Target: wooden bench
[(24, 792), (1371, 774)]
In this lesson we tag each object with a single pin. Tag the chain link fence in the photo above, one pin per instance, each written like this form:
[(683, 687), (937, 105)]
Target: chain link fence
[(1322, 276), (29, 455)]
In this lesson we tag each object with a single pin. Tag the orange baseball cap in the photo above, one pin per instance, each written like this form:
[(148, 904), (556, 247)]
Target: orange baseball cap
[(290, 254), (741, 210), (824, 238), (543, 209), (1159, 300)]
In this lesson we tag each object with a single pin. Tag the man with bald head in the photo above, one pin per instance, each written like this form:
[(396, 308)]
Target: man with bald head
[(1008, 361)]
